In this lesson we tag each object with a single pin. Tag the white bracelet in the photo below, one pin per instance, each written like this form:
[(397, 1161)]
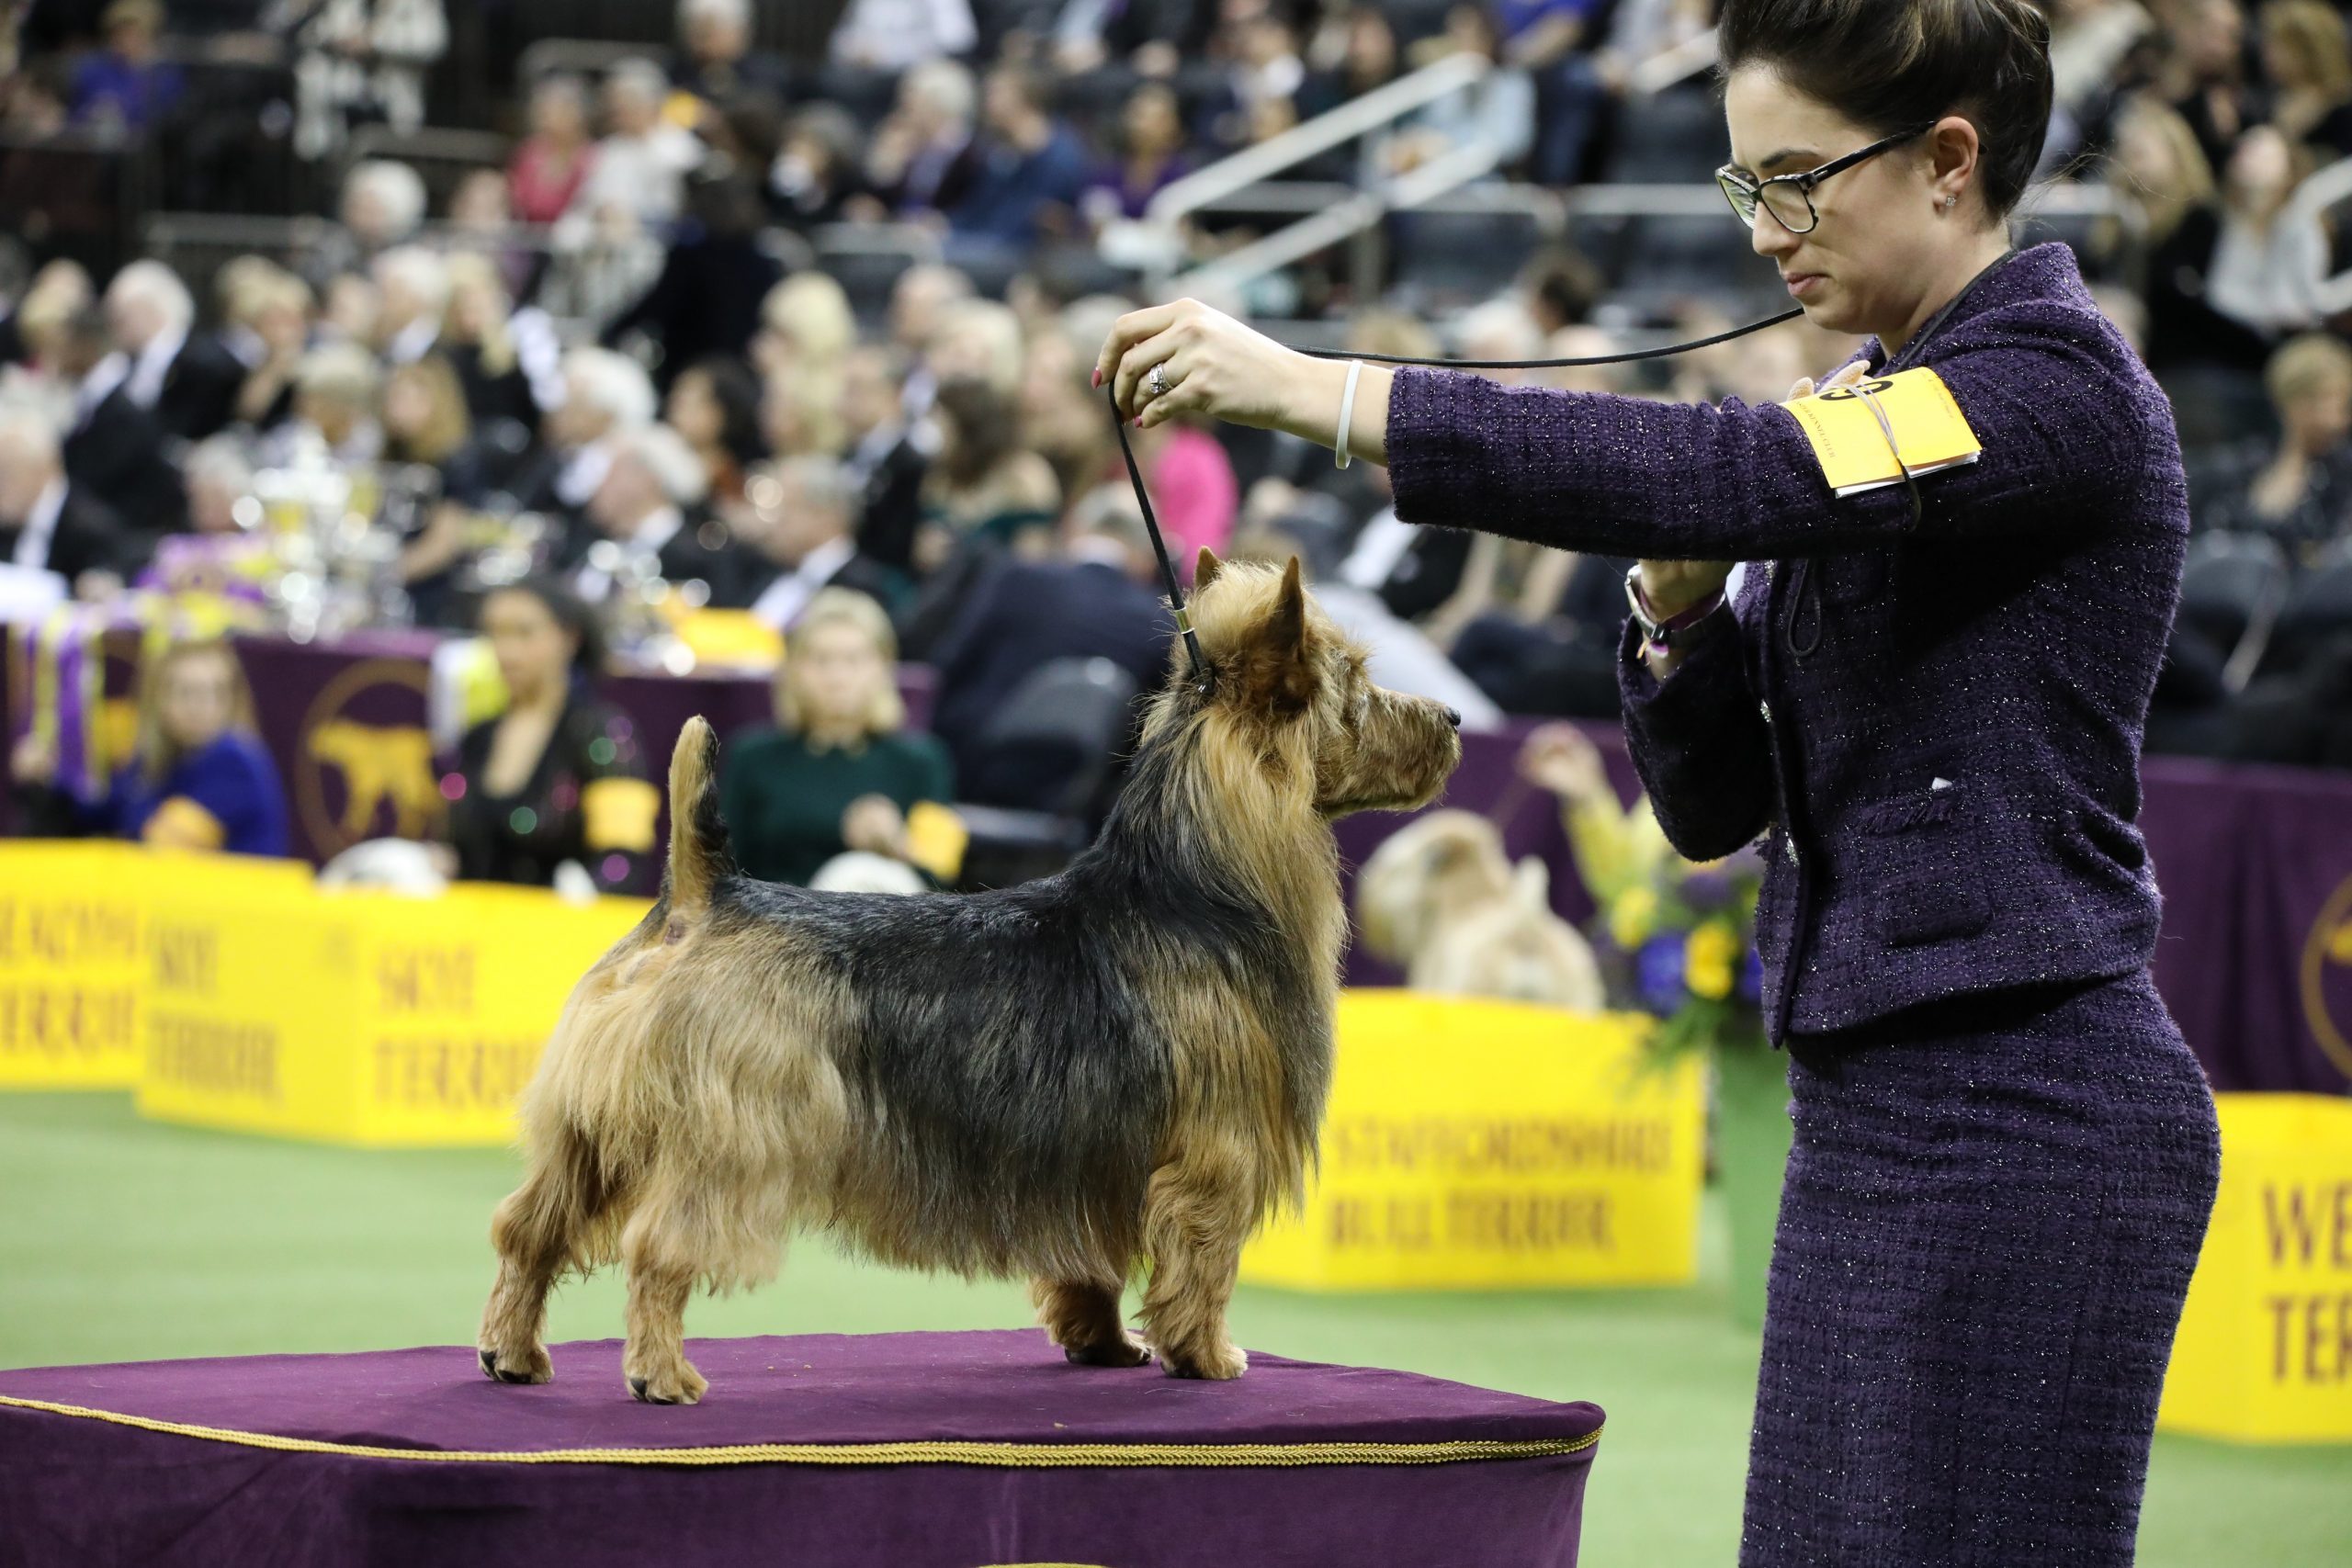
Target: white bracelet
[(1339, 457)]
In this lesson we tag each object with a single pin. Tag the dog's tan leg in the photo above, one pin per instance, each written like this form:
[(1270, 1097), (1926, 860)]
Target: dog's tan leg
[(536, 1231), (1082, 1318), (663, 1266), (1197, 1215)]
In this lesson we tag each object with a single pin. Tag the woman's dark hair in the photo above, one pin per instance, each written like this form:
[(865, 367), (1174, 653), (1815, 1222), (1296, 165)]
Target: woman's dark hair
[(987, 428), (737, 393), (1891, 64), (572, 613)]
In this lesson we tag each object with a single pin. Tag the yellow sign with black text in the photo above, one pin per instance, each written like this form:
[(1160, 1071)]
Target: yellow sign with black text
[(2265, 1348), (1475, 1144)]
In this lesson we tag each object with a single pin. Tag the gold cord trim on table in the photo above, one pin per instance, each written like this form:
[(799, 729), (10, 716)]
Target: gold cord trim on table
[(1024, 1456)]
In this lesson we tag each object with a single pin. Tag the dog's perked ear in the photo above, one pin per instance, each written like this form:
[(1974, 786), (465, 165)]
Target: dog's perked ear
[(1282, 671), (1206, 568)]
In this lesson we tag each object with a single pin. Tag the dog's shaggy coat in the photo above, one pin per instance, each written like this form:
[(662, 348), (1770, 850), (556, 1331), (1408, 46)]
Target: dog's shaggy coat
[(1125, 1062)]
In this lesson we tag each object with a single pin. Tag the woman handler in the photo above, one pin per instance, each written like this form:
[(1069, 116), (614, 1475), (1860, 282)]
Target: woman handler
[(1928, 699)]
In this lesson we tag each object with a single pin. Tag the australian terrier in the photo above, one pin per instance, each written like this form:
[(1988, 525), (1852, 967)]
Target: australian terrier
[(1056, 1081)]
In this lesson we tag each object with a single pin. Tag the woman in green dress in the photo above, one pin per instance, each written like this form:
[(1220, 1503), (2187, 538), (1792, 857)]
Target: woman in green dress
[(838, 771)]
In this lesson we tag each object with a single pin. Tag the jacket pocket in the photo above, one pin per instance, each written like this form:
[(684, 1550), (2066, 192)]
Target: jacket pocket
[(1919, 852)]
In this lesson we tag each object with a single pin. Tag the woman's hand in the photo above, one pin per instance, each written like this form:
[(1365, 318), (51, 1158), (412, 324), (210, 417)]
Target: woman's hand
[(1562, 759), (874, 823), (34, 760), (1212, 366), (1673, 586)]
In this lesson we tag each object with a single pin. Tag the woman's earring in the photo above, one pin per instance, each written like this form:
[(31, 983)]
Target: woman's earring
[(1951, 201)]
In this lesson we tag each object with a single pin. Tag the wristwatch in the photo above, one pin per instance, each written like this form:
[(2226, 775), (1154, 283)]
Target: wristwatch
[(1657, 636)]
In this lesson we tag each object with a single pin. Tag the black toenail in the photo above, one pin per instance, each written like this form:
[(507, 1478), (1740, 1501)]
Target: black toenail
[(637, 1387), (505, 1376), (1453, 717), (488, 1363)]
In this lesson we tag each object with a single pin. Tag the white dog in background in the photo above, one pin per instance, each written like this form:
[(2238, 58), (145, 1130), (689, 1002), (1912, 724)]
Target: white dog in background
[(1440, 899)]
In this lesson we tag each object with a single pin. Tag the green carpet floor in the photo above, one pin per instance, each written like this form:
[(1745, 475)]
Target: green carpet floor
[(120, 1240)]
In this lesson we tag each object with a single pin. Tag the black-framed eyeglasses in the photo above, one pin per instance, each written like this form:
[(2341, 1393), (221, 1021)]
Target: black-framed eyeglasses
[(1789, 197)]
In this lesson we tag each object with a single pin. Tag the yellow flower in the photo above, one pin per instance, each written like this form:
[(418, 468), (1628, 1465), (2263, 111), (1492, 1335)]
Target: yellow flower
[(1633, 917), (1710, 959)]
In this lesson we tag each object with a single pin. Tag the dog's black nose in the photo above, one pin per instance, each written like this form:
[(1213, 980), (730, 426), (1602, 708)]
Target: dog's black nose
[(1454, 718)]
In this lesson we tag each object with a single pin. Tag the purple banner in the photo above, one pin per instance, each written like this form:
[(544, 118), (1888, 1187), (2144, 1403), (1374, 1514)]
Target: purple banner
[(2256, 863)]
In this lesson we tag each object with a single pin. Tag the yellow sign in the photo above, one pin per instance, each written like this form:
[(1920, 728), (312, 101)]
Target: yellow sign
[(1476, 1144), (1857, 429), (73, 927), (358, 1016), (2265, 1348)]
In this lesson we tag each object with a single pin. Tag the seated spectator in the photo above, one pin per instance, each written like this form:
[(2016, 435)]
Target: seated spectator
[(886, 457), (188, 381), (1497, 111), (2159, 164), (198, 777), (2267, 262), (648, 506), (920, 301), (801, 416), (267, 311), (545, 176), (556, 777), (803, 512), (982, 483), (895, 35), (114, 448), (1151, 157), (1096, 600), (220, 498), (358, 63), (805, 328), (412, 298), (715, 404), (1031, 167), (1367, 57), (507, 360), (383, 204), (1062, 416), (2090, 42), (426, 425), (2308, 57), (2298, 492), (840, 771), (605, 396), (49, 523), (977, 340), (706, 297), (924, 158), (1151, 38), (2203, 73), (127, 86), (641, 162), (819, 176), (335, 393), (1193, 486), (1550, 40), (717, 64)]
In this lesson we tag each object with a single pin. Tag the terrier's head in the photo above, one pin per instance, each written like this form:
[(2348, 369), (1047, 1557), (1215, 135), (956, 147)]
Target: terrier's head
[(1289, 688)]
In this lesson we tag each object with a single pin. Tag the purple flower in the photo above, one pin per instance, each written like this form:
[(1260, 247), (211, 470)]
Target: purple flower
[(1751, 978), (1658, 973)]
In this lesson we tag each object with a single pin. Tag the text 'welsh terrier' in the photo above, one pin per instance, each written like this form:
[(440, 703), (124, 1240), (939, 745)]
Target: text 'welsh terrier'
[(1125, 1062)]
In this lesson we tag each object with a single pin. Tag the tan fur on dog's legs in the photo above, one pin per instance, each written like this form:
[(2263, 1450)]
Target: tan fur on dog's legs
[(536, 1232), (1083, 1319), (1195, 1218), (661, 1272)]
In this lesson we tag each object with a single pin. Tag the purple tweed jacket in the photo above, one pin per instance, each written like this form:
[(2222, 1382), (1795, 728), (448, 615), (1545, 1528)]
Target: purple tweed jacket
[(1935, 727)]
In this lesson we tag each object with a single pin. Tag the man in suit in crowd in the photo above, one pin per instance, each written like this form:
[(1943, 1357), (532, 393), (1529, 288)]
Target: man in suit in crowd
[(47, 523), (114, 447), (1097, 601), (605, 397), (888, 456), (803, 512), (188, 380), (649, 510)]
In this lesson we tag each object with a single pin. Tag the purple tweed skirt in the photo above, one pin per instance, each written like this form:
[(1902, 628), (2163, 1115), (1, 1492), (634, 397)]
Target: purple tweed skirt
[(1991, 1215)]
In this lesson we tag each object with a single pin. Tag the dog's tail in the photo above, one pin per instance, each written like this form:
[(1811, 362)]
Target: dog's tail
[(699, 856)]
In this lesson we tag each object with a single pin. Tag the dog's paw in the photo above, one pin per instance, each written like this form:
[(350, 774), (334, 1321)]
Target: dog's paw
[(1222, 1364), (530, 1366), (680, 1384), (1125, 1351)]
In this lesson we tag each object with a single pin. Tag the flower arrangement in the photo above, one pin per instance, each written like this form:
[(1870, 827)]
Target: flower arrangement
[(1674, 938)]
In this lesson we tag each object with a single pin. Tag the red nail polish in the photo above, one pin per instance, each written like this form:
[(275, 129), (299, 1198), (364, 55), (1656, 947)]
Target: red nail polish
[(1098, 377)]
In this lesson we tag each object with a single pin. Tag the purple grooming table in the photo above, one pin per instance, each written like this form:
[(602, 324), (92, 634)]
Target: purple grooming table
[(893, 1451)]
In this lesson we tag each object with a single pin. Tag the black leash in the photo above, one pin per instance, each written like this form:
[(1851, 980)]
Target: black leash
[(1152, 522)]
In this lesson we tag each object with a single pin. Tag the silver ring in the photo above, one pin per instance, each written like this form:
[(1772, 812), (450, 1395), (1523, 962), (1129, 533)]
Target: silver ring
[(1157, 382)]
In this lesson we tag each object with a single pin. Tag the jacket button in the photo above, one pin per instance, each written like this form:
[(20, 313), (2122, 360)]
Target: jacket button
[(1792, 844), (1766, 709)]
